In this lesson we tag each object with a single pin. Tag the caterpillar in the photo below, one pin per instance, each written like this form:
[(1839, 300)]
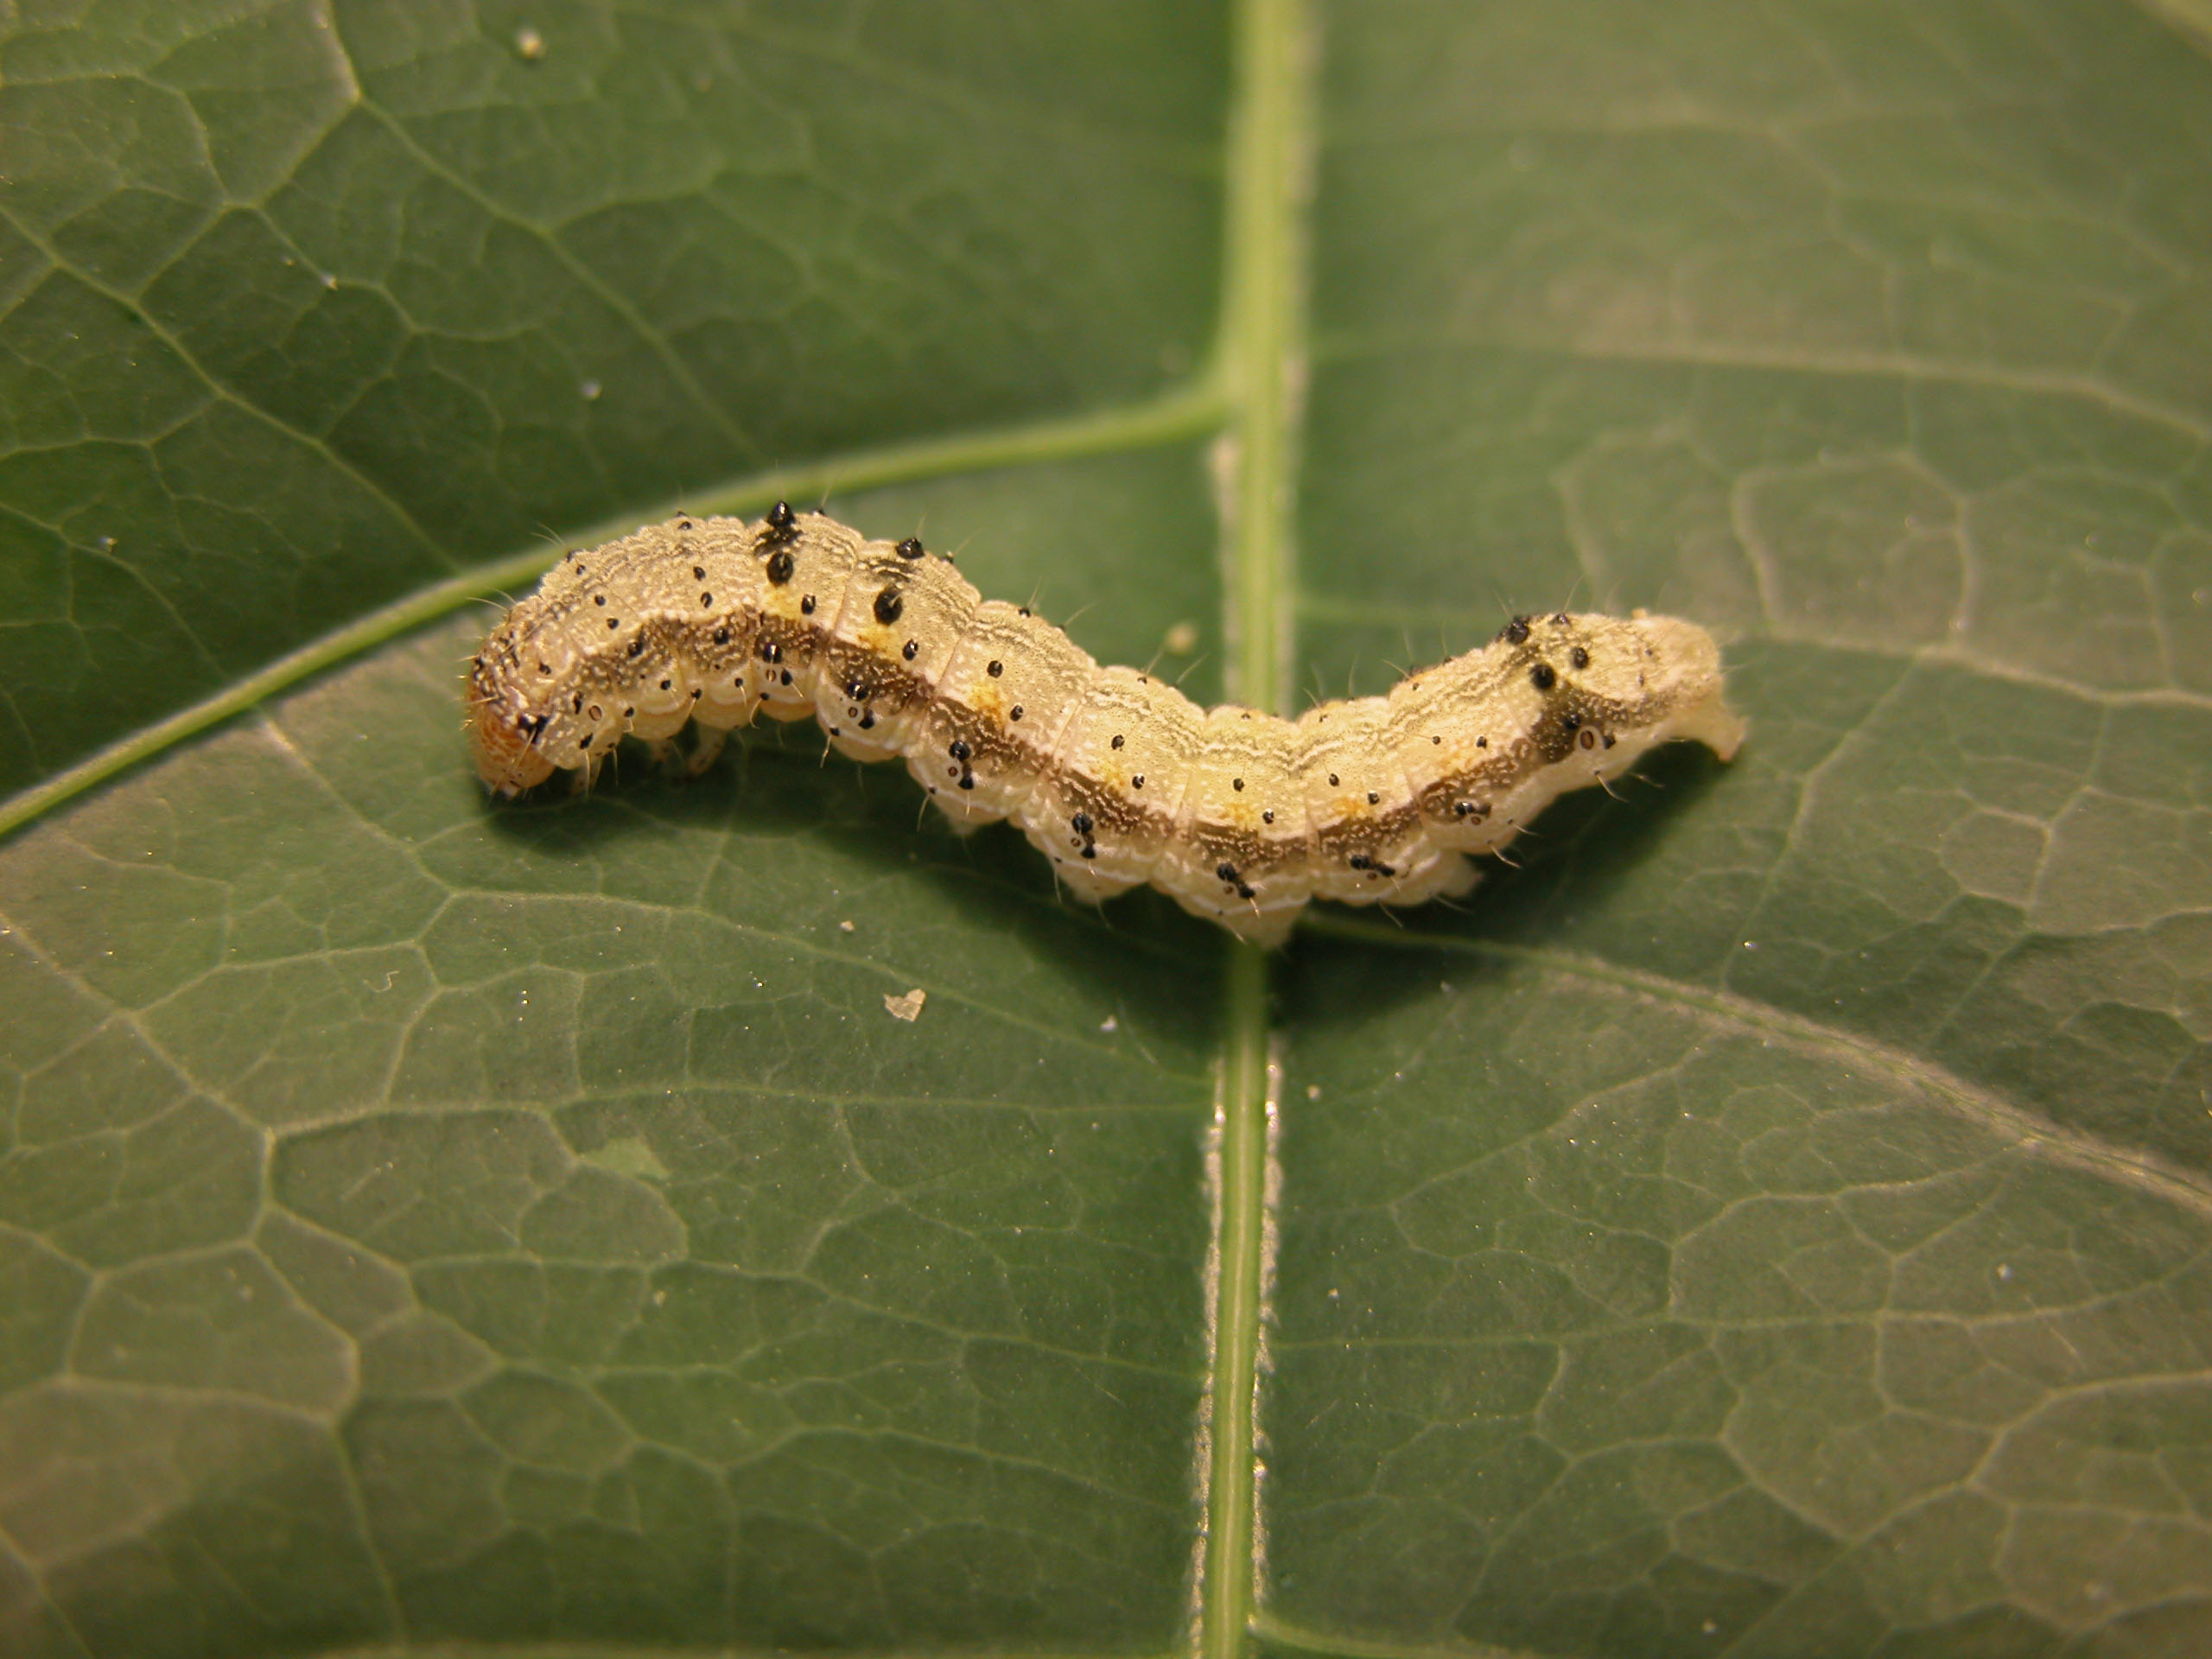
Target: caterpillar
[(1115, 776)]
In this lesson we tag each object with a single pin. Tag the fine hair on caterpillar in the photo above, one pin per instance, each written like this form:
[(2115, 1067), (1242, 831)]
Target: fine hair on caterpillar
[(1115, 776)]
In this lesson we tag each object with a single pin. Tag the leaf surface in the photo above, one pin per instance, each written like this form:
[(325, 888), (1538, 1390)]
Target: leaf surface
[(1769, 1218)]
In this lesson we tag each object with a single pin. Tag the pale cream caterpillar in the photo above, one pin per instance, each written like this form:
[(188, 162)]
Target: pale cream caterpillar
[(1115, 776)]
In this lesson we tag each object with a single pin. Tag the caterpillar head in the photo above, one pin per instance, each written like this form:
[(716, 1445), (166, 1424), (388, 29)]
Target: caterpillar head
[(503, 729)]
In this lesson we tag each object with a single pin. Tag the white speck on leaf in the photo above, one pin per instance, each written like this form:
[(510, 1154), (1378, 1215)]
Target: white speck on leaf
[(907, 1008)]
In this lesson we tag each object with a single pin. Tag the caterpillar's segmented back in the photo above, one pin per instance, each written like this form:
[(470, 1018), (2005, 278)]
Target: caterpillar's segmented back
[(1117, 777)]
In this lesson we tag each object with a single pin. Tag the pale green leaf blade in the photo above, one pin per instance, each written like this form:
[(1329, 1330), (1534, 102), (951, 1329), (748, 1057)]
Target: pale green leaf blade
[(309, 306), (535, 1214), (1769, 1218), (1773, 1219)]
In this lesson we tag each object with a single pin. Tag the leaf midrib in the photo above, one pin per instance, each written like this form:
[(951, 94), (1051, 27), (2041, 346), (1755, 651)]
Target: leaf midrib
[(1263, 336)]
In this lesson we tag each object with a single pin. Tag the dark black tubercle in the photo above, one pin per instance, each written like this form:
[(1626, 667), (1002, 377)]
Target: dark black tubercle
[(783, 525), (911, 548), (1514, 632)]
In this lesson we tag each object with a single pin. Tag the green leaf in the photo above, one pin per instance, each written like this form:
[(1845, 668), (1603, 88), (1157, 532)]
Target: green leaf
[(1770, 1218)]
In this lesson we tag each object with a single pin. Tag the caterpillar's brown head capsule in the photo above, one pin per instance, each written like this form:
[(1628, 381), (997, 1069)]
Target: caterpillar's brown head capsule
[(504, 731)]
